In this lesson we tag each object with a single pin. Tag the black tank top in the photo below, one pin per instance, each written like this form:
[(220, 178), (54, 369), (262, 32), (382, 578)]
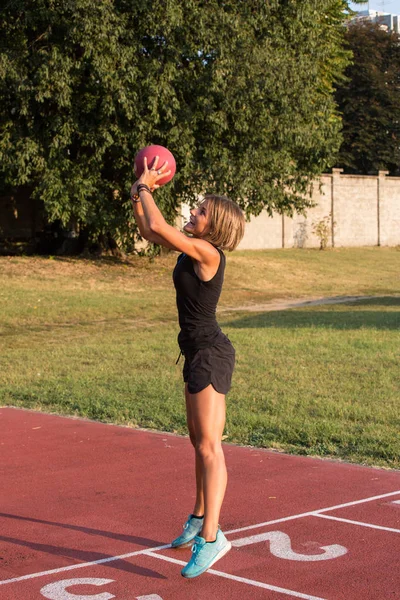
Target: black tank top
[(197, 303)]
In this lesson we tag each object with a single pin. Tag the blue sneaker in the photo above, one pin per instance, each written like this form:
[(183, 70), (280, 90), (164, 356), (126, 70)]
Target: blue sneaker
[(205, 554), (190, 529)]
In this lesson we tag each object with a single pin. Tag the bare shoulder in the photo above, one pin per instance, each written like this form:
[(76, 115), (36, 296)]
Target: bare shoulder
[(207, 269), (204, 252)]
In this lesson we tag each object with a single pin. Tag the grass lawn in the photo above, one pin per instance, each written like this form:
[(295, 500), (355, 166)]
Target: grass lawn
[(98, 339)]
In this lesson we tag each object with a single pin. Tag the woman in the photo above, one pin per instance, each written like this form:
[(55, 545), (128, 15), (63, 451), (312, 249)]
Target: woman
[(216, 224)]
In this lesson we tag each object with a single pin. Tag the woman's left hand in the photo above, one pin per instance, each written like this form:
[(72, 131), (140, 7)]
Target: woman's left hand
[(150, 176)]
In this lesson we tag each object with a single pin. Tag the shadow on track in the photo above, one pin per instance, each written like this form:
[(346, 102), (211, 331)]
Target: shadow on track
[(130, 539), (86, 556)]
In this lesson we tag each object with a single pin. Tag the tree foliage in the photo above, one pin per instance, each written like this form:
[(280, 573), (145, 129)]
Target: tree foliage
[(370, 101), (240, 92)]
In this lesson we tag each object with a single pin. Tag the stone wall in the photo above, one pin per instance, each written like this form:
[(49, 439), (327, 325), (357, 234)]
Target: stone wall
[(389, 212), (360, 211)]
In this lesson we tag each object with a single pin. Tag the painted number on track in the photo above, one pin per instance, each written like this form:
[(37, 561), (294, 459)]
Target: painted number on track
[(58, 590), (281, 548)]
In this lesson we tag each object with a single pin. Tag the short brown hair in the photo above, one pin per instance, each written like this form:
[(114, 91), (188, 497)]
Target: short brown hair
[(226, 222)]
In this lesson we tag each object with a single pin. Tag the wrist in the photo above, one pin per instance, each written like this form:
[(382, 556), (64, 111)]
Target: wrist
[(142, 187), (135, 197)]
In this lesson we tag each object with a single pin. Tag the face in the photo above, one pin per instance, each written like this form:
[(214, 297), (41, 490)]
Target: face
[(199, 223)]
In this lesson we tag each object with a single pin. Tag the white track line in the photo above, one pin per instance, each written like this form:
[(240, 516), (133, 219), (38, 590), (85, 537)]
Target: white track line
[(252, 582), (370, 525), (313, 513), (101, 561), (145, 551)]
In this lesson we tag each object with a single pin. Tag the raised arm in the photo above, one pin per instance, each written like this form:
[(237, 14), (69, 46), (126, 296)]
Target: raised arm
[(199, 249), (142, 224)]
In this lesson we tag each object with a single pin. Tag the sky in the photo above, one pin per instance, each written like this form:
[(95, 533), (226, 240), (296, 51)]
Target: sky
[(389, 6)]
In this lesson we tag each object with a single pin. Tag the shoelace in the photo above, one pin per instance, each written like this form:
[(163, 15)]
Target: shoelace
[(195, 548), (187, 525)]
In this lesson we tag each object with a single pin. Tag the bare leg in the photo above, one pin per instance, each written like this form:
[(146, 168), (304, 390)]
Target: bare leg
[(199, 504), (207, 417)]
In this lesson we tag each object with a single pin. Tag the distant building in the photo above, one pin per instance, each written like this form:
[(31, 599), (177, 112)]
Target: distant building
[(387, 20)]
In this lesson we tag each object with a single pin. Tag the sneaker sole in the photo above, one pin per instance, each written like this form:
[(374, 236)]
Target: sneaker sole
[(220, 554), (183, 545)]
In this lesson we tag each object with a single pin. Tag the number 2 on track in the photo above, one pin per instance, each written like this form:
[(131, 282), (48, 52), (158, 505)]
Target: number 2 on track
[(281, 548), (58, 590)]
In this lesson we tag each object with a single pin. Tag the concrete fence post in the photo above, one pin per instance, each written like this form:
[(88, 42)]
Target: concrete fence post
[(335, 179), (380, 184)]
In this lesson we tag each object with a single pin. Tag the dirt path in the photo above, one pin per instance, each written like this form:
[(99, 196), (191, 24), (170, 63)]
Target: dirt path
[(284, 304)]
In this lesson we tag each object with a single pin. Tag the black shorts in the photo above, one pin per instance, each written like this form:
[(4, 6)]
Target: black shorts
[(210, 365)]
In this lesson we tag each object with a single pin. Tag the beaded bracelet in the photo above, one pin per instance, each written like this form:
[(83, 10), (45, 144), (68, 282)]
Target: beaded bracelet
[(135, 198), (143, 186)]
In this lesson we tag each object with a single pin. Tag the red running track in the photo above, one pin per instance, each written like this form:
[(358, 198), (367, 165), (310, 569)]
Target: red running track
[(88, 509)]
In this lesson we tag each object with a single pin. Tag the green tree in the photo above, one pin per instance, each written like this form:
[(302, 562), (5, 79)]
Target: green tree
[(240, 92), (369, 101)]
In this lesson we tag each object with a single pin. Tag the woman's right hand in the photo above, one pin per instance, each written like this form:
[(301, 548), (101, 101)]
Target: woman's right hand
[(134, 188)]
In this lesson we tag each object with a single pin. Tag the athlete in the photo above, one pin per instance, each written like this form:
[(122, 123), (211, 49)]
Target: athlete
[(217, 224)]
